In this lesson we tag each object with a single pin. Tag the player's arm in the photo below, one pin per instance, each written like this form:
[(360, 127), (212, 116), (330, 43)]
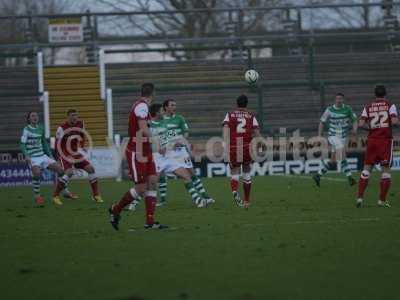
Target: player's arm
[(353, 119), (83, 142), (226, 131), (144, 128), (59, 136), (362, 123), (394, 115), (141, 112), (23, 141), (322, 122), (321, 126), (185, 133), (185, 127), (256, 128)]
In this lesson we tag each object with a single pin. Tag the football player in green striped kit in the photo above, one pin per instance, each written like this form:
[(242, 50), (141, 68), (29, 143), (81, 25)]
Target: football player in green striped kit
[(179, 130), (340, 121), (168, 160), (38, 155)]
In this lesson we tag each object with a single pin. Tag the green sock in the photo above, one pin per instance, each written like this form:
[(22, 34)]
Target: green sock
[(162, 188), (36, 186), (345, 168), (199, 186), (193, 192)]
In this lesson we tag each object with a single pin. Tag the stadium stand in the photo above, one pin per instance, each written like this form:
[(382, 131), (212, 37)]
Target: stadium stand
[(77, 87), (18, 95), (293, 107)]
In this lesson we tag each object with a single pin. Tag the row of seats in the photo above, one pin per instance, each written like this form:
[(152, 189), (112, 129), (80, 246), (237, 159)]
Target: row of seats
[(203, 93), (18, 96)]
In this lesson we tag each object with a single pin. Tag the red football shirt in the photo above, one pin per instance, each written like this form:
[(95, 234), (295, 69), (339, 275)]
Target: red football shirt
[(378, 116), (242, 124), (139, 111), (69, 138)]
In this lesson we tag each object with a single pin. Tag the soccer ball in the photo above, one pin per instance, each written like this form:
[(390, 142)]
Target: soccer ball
[(251, 76)]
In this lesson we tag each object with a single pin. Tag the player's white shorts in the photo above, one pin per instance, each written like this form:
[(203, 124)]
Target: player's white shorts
[(165, 164), (337, 143), (42, 161), (182, 156)]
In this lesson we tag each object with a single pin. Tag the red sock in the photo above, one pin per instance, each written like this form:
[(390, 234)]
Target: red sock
[(362, 184), (95, 187), (234, 183), (385, 186), (246, 188), (125, 201), (150, 203)]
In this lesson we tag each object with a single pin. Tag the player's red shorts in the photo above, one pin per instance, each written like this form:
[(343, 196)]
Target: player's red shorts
[(238, 157), (140, 170), (379, 151), (79, 162)]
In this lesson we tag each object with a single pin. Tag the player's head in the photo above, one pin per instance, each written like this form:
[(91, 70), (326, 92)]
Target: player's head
[(32, 118), (72, 116), (242, 101), (147, 90), (339, 99), (169, 106), (380, 91), (155, 110)]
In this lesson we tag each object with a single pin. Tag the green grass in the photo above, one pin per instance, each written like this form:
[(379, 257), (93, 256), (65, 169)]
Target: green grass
[(295, 242)]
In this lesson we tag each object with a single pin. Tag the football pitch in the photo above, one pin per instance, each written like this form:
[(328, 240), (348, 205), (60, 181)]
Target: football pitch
[(295, 242)]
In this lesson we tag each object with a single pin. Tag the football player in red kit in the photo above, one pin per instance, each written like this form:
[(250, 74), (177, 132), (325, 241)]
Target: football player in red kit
[(378, 117), (240, 126), (70, 142), (140, 161)]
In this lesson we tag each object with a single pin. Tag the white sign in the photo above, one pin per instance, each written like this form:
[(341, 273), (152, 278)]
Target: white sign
[(65, 30), (396, 163), (106, 162), (295, 167)]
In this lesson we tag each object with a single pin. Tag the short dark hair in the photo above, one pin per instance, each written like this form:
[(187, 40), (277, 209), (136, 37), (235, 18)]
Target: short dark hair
[(242, 101), (380, 90), (154, 109), (71, 111), (167, 102), (340, 94), (147, 89)]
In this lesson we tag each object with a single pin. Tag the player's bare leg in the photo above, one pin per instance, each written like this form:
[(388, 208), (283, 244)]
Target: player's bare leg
[(186, 176), (36, 173), (246, 184), (384, 186), (62, 182), (235, 177), (363, 183), (96, 197)]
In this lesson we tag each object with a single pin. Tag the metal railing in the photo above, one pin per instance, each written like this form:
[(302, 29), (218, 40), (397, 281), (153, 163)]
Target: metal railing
[(218, 34)]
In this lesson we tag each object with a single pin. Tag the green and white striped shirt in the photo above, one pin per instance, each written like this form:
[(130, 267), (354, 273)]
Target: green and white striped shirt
[(33, 141), (339, 120)]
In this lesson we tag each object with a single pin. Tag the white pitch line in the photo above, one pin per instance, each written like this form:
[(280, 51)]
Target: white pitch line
[(362, 220), (308, 177)]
